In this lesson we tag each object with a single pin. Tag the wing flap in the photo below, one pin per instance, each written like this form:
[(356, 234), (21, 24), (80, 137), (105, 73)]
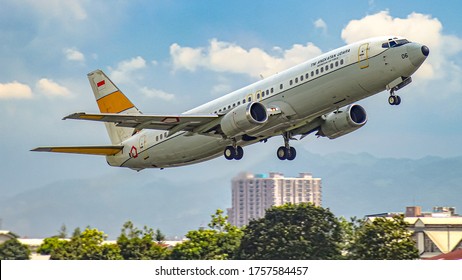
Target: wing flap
[(86, 150), (161, 122)]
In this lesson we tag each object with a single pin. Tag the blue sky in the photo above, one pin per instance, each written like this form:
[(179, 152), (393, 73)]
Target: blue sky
[(170, 56)]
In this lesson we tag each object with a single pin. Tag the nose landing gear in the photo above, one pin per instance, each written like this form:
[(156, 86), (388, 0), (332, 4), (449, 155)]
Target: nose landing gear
[(394, 99)]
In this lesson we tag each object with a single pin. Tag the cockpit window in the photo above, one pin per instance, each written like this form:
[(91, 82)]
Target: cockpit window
[(395, 42)]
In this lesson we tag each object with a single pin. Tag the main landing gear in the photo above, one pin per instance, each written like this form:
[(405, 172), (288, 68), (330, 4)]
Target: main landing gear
[(234, 152), (394, 99), (286, 151)]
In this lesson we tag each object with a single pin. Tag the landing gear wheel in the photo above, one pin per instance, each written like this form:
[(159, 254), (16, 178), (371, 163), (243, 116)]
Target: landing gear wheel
[(282, 153), (239, 153), (394, 100), (391, 100), (230, 152), (292, 153)]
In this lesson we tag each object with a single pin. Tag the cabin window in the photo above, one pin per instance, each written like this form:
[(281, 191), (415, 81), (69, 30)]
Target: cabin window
[(272, 90), (291, 82), (331, 65), (312, 73), (157, 138), (238, 103), (229, 107), (322, 69), (336, 64), (250, 98), (160, 137), (296, 80), (243, 101), (281, 86), (341, 61), (258, 95), (234, 105), (307, 76)]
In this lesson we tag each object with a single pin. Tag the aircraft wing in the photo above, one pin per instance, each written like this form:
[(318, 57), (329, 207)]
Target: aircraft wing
[(87, 150), (172, 123)]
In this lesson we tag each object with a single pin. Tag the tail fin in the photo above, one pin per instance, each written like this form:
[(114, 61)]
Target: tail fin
[(111, 100)]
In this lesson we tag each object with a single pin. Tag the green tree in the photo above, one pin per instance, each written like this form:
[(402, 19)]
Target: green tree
[(87, 246), (51, 244), (14, 250), (159, 237), (219, 242), (383, 239), (62, 233), (293, 231), (143, 244)]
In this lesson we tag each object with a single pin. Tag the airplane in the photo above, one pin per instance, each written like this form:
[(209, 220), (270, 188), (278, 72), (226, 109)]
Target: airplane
[(318, 95)]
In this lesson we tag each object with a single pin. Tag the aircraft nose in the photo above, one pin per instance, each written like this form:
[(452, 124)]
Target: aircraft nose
[(417, 53)]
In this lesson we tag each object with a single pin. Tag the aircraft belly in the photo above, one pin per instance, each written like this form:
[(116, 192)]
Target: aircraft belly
[(184, 150)]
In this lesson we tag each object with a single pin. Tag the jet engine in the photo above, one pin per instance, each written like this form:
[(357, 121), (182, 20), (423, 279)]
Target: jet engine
[(244, 119), (343, 121)]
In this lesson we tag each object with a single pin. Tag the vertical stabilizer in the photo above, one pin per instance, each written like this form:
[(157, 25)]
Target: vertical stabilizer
[(111, 100)]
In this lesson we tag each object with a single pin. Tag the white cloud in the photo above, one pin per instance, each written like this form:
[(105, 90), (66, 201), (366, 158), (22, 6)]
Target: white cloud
[(185, 57), (15, 90), (416, 27), (51, 89), (73, 54), (155, 93), (229, 57), (124, 70), (321, 24)]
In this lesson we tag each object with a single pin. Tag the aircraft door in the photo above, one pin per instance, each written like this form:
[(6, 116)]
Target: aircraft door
[(363, 56)]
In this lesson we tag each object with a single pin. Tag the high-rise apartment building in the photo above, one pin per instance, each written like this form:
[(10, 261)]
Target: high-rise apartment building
[(252, 194)]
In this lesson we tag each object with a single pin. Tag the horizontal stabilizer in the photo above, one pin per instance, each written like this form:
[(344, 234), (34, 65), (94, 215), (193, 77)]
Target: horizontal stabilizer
[(86, 150)]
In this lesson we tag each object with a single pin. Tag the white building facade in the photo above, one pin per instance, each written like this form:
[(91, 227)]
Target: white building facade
[(252, 194)]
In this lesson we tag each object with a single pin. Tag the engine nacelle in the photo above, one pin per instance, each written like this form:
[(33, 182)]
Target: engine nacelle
[(243, 119), (343, 121)]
